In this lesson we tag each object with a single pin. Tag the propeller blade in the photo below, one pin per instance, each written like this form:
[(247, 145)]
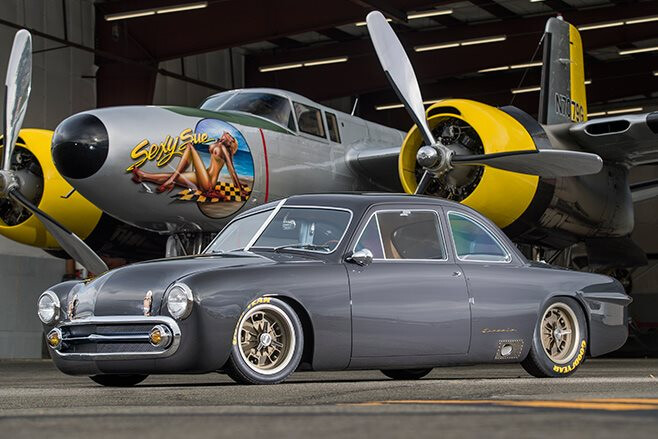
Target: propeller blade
[(423, 183), (548, 163), (17, 92), (70, 242), (398, 69)]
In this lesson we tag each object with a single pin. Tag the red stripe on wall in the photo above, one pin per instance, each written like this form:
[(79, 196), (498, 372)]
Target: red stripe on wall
[(267, 166)]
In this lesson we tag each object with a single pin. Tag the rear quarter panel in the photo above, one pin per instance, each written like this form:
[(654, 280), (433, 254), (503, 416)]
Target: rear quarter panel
[(509, 298)]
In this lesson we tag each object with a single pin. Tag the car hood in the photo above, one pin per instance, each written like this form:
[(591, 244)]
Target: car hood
[(122, 291)]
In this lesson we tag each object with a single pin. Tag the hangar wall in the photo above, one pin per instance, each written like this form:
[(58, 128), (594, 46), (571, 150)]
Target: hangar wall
[(62, 84)]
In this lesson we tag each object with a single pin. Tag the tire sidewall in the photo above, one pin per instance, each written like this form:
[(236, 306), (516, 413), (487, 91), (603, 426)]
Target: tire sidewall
[(549, 367), (244, 369)]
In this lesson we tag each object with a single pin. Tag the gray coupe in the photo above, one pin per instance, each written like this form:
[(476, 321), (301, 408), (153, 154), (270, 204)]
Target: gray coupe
[(330, 282)]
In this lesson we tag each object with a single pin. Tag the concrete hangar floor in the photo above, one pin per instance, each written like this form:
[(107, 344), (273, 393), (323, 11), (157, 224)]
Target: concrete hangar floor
[(607, 398)]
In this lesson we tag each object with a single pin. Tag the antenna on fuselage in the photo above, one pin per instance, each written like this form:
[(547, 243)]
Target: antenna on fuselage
[(356, 102)]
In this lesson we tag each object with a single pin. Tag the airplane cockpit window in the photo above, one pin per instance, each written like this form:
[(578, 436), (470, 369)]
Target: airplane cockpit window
[(309, 120), (332, 125), (213, 103), (272, 107)]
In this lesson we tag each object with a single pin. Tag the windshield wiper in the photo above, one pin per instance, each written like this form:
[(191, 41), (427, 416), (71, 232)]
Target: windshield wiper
[(302, 247)]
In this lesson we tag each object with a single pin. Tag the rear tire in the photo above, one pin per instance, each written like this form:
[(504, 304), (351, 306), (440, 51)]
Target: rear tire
[(121, 380), (406, 374), (267, 344), (559, 343)]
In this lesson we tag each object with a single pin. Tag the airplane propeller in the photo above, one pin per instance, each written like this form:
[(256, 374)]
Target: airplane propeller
[(437, 159), (17, 92)]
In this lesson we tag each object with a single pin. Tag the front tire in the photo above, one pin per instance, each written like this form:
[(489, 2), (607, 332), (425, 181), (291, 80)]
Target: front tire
[(406, 374), (121, 380), (267, 344), (559, 343)]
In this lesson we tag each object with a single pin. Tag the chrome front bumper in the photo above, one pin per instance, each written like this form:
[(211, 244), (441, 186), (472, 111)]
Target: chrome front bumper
[(115, 338)]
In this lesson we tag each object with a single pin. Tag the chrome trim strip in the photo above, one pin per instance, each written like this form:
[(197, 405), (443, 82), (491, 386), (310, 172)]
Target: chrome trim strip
[(121, 320), (264, 225), (98, 338)]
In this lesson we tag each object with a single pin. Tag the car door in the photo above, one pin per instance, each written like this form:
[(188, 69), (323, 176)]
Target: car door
[(412, 298), (502, 290)]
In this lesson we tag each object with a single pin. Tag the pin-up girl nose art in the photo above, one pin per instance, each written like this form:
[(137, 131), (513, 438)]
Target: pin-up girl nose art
[(215, 170)]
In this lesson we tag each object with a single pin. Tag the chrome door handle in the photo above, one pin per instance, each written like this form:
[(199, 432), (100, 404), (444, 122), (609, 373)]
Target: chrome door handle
[(456, 273)]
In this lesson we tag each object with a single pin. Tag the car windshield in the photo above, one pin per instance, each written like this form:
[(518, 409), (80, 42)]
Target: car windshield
[(272, 107), (292, 228), (238, 233)]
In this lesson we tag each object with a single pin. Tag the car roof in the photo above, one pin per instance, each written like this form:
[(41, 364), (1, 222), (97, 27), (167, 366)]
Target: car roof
[(356, 200)]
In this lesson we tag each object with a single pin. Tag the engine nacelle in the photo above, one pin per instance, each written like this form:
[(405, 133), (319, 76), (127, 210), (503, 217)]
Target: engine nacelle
[(48, 190), (469, 127)]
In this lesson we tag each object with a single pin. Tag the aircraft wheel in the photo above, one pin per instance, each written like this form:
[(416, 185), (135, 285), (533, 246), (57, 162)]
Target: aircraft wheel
[(267, 344), (559, 343)]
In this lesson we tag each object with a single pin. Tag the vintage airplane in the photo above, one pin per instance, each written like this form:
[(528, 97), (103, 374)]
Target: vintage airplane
[(184, 172)]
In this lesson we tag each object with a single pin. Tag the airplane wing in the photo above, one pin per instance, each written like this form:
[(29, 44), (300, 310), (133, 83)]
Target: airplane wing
[(378, 165), (628, 139)]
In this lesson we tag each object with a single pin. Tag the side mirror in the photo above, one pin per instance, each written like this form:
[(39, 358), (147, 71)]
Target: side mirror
[(362, 257)]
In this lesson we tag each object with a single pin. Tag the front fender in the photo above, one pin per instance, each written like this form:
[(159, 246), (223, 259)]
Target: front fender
[(321, 289)]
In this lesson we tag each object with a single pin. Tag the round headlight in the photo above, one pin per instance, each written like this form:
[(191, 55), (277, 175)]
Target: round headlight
[(179, 301), (48, 307)]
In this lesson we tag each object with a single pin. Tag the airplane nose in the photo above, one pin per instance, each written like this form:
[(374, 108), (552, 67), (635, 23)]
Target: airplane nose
[(80, 146)]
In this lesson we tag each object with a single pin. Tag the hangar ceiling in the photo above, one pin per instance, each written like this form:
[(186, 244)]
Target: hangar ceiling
[(317, 49)]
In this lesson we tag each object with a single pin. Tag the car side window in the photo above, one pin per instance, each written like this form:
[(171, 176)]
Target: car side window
[(473, 242), (332, 125), (404, 234), (309, 120)]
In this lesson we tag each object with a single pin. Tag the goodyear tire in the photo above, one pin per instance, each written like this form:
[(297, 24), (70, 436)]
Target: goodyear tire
[(559, 343), (120, 380), (267, 344), (406, 374)]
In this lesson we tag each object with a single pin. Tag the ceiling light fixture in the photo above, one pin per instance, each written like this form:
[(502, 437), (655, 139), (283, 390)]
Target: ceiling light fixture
[(514, 66), (639, 50), (321, 62), (126, 15), (396, 106), (618, 111), (388, 107), (526, 65), (600, 26), (494, 69), (516, 91), (363, 23), (426, 14), (297, 65), (153, 11), (460, 43), (280, 67), (625, 110), (181, 8), (640, 20)]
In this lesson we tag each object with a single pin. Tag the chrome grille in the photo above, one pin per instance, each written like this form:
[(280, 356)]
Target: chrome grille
[(115, 337)]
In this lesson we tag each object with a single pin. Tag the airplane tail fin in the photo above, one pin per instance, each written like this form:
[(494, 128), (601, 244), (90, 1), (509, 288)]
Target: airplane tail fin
[(562, 97)]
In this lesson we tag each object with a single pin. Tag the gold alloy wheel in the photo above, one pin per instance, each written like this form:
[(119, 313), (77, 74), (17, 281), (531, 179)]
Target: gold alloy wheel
[(266, 339), (560, 333)]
